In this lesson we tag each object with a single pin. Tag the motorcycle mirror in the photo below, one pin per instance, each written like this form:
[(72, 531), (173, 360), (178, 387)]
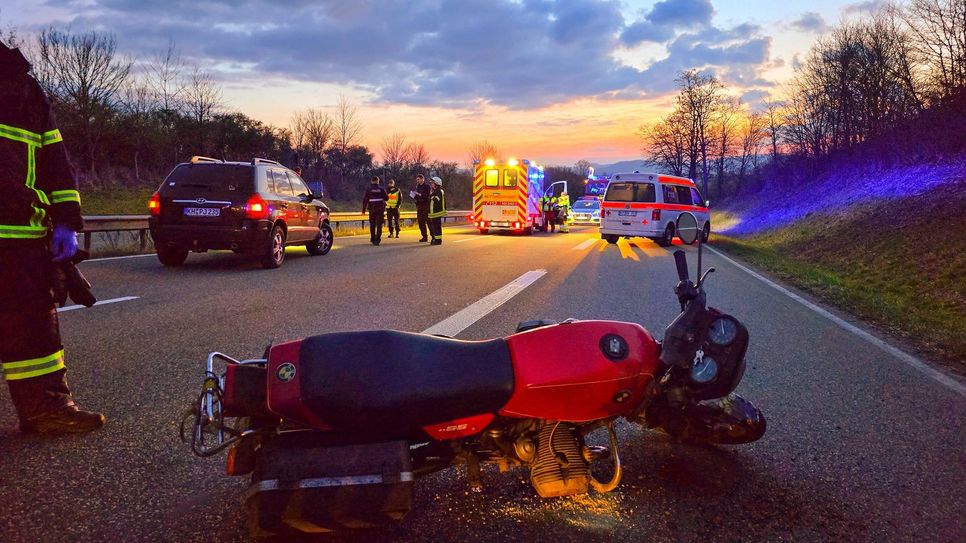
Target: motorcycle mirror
[(687, 228)]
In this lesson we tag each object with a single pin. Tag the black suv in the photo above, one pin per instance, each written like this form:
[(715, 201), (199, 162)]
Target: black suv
[(255, 207)]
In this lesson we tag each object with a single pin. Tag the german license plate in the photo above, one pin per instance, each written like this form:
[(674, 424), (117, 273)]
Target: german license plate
[(202, 211), (626, 213)]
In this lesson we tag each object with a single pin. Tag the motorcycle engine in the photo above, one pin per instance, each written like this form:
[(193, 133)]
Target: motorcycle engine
[(560, 468)]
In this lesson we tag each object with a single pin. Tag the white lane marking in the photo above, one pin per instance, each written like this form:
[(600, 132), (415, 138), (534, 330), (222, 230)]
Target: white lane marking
[(100, 302), (936, 375), (471, 239), (463, 319), (117, 257), (585, 244)]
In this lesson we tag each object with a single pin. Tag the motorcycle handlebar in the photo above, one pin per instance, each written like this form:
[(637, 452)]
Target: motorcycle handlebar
[(682, 263)]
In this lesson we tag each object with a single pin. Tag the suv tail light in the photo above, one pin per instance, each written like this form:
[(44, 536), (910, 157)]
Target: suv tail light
[(256, 208), (656, 215), (154, 205)]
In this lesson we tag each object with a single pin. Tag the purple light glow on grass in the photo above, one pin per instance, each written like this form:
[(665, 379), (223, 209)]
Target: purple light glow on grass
[(779, 205)]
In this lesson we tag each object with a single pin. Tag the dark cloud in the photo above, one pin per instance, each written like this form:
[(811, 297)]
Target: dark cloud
[(660, 23), (810, 22), (870, 6), (515, 53)]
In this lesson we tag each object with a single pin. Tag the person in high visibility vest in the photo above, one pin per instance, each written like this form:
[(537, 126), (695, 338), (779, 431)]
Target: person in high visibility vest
[(437, 210), (393, 200), (549, 213), (564, 211), (39, 217)]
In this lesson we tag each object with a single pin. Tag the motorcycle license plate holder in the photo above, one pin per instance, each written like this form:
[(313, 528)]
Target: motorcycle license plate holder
[(300, 485)]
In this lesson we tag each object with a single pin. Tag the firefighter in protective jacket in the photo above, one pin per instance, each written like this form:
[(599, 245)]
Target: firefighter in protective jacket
[(39, 216), (437, 210)]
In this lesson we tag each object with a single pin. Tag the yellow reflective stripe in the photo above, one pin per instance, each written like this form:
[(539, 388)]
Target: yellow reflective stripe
[(25, 369), (22, 232), (61, 196), (21, 135), (37, 218), (51, 137)]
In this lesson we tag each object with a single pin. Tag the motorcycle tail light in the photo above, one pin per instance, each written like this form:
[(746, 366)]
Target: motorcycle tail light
[(656, 215)]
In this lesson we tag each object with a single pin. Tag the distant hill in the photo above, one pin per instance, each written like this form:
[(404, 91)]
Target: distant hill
[(623, 166)]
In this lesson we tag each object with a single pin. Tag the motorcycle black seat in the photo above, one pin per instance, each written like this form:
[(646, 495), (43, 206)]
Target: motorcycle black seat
[(390, 381)]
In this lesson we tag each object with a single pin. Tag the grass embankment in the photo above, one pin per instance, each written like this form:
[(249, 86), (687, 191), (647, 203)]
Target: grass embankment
[(900, 264)]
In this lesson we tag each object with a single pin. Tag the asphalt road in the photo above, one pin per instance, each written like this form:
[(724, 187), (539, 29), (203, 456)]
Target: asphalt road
[(860, 446)]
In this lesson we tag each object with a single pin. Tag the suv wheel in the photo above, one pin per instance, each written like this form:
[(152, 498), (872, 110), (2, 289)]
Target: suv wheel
[(668, 238), (610, 238), (172, 257), (275, 253), (706, 233), (322, 243)]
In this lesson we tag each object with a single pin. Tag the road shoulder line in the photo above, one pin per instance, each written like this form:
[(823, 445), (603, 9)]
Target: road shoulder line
[(99, 302), (466, 317), (947, 381)]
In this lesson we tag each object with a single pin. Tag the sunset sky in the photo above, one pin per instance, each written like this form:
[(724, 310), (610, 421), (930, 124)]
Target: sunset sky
[(554, 81)]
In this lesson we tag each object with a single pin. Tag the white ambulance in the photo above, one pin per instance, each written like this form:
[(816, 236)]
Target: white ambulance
[(648, 205)]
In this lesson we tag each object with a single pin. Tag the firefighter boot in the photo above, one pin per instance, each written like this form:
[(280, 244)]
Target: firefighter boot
[(70, 419), (45, 405)]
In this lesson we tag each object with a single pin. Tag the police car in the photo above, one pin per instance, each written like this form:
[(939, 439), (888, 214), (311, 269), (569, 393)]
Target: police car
[(586, 211), (648, 205)]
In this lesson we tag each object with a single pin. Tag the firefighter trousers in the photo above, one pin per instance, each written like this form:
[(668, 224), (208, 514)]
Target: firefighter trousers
[(392, 219), (422, 217), (31, 353), (436, 229)]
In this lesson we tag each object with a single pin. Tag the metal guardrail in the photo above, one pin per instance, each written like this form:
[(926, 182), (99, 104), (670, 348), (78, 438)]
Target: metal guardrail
[(139, 223)]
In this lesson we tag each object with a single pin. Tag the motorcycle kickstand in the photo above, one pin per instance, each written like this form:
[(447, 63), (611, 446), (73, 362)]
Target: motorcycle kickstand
[(473, 472)]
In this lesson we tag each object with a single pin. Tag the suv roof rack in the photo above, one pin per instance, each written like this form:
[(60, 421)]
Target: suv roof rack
[(197, 159), (259, 160)]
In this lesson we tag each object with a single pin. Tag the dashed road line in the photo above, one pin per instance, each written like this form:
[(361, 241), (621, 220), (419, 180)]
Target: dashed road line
[(463, 319), (100, 302), (586, 244), (908, 359), (116, 258)]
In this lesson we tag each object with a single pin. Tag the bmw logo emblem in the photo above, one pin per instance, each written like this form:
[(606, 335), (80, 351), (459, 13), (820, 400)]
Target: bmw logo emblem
[(285, 372)]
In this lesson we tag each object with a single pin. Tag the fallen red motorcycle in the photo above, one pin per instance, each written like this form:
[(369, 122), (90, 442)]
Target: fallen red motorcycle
[(334, 430)]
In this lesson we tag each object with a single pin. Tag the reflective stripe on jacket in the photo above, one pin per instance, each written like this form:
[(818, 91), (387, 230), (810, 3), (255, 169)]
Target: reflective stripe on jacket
[(37, 183), (393, 199), (437, 204)]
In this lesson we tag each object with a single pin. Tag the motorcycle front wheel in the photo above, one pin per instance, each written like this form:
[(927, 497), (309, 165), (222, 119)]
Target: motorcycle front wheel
[(731, 420)]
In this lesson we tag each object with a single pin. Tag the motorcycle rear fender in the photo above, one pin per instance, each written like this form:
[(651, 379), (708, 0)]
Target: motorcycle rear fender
[(562, 372), (284, 389)]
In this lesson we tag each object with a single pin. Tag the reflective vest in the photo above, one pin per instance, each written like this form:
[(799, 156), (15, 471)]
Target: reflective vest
[(437, 204), (393, 201), (37, 184), (563, 201)]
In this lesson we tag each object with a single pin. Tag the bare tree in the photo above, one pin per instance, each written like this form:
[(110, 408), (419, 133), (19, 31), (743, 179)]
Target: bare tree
[(667, 143), (311, 132), (394, 154), (348, 126), (164, 77), (83, 73), (773, 120), (416, 156), (699, 99), (201, 101), (139, 101), (482, 150), (726, 120), (938, 32), (754, 133), (582, 168)]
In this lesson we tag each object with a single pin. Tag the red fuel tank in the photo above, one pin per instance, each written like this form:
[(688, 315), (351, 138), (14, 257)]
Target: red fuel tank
[(579, 371)]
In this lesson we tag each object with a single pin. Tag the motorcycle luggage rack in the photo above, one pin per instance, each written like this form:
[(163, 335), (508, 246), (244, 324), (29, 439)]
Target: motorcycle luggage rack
[(208, 411)]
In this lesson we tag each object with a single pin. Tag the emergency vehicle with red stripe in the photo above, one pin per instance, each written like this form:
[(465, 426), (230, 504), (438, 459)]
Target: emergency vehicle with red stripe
[(648, 205), (506, 195)]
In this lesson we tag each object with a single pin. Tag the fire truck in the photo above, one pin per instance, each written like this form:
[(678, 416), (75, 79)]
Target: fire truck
[(506, 195)]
